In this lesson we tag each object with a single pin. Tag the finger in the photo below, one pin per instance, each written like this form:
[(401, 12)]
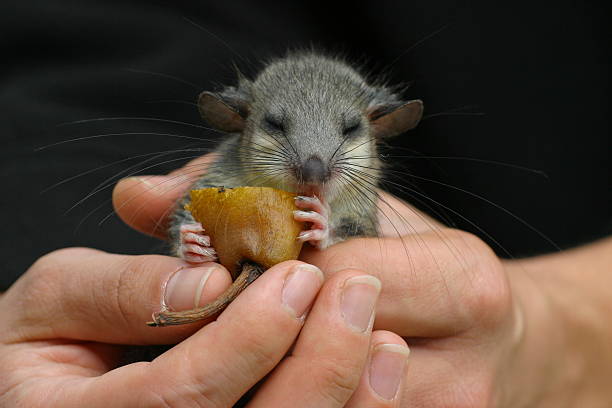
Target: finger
[(397, 218), (85, 294), (223, 360), (462, 375), (434, 284), (381, 383), (332, 348), (145, 202), (196, 167)]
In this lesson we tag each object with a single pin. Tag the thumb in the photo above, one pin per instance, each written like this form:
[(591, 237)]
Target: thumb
[(85, 294)]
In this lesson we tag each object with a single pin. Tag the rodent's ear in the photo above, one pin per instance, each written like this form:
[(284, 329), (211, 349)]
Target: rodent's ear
[(392, 119), (224, 111)]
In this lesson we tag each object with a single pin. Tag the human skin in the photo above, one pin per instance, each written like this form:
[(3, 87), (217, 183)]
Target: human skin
[(63, 325), (533, 332), (62, 320), (482, 332)]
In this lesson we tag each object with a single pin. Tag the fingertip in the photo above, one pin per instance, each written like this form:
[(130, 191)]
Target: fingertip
[(297, 284), (164, 187), (196, 167), (144, 202), (329, 348), (250, 337), (219, 280), (387, 365), (193, 287), (385, 337), (284, 269)]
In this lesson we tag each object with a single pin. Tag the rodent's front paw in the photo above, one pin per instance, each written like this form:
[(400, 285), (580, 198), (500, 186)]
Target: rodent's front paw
[(195, 246), (318, 216)]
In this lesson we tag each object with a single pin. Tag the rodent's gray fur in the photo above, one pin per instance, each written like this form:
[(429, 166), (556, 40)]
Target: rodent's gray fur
[(315, 99)]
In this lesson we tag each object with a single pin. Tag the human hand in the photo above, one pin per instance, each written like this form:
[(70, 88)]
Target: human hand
[(445, 292), (484, 331), (481, 328), (438, 308), (62, 321)]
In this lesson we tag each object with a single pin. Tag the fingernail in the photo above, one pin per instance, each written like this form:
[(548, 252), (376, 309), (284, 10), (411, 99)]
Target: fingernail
[(387, 369), (149, 181), (184, 289), (300, 288), (161, 183), (358, 300), (301, 213)]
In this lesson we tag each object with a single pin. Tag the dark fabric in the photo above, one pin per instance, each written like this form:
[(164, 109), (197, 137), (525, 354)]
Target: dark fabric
[(540, 75)]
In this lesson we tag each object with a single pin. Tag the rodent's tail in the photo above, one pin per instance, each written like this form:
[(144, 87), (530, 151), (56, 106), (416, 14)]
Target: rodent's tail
[(250, 272)]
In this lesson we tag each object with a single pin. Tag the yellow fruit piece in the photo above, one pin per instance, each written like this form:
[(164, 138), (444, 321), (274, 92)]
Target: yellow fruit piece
[(248, 223)]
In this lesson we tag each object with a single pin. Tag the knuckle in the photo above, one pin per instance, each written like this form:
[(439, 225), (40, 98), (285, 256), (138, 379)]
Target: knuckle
[(62, 256), (210, 387), (103, 293), (475, 395), (126, 281), (13, 398), (120, 293), (336, 380), (175, 388), (179, 395), (49, 264), (52, 267), (487, 299), (41, 284), (197, 387), (465, 393), (64, 281), (467, 245), (260, 354), (491, 304)]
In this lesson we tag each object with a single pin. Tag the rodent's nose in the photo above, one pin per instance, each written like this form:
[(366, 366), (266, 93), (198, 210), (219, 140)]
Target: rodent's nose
[(313, 171)]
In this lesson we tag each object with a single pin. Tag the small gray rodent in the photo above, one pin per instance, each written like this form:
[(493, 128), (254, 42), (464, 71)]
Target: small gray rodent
[(308, 124)]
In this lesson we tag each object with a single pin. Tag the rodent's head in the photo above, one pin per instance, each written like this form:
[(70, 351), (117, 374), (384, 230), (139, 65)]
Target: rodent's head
[(307, 119)]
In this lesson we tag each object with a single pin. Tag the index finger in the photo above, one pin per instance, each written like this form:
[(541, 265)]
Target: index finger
[(396, 217), (145, 202), (434, 283)]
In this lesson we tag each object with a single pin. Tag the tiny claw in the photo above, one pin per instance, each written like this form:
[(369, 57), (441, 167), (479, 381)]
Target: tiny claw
[(199, 250), (203, 240), (195, 246), (304, 236), (194, 227), (318, 220), (316, 212), (197, 259)]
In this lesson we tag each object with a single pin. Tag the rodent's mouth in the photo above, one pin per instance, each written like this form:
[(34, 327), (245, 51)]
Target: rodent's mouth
[(310, 190)]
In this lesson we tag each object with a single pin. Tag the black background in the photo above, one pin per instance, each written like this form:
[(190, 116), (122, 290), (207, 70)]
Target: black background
[(540, 73)]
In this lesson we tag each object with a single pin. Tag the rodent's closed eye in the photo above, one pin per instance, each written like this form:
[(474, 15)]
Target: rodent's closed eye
[(274, 124), (352, 128)]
